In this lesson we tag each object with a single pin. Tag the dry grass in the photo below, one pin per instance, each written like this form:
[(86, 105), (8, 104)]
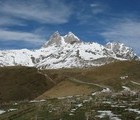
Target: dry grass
[(19, 83), (107, 75), (66, 88)]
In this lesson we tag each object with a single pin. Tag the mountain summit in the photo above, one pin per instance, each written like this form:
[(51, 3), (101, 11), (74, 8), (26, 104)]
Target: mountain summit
[(55, 38), (66, 52), (71, 38), (58, 40)]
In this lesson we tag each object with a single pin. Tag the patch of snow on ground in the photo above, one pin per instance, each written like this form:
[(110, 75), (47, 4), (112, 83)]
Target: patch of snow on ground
[(84, 101), (15, 104), (118, 106), (114, 106), (88, 100), (107, 102), (61, 98), (42, 100), (12, 110), (71, 114), (79, 105), (73, 110), (126, 88), (93, 94), (133, 110), (106, 90), (2, 111), (123, 77), (107, 113)]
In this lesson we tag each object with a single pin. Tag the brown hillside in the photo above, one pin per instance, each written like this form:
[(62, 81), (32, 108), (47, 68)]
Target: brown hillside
[(107, 75), (19, 83)]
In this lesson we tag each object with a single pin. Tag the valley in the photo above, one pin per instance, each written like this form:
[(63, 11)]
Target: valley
[(109, 92)]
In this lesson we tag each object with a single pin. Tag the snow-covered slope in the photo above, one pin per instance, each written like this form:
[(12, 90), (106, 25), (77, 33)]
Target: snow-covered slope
[(66, 52), (16, 57), (121, 50)]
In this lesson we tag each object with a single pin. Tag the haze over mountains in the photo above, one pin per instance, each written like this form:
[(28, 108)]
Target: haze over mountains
[(67, 52)]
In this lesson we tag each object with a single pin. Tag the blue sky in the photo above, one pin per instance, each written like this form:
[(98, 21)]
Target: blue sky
[(29, 23)]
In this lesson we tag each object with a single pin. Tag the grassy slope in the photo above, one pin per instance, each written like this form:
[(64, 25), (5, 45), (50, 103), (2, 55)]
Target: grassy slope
[(18, 83), (107, 75), (66, 88)]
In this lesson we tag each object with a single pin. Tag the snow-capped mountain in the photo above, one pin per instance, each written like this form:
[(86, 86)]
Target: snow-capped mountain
[(57, 40), (66, 52), (121, 50)]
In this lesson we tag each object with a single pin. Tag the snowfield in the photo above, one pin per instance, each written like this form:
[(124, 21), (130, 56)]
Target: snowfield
[(67, 52), (2, 111)]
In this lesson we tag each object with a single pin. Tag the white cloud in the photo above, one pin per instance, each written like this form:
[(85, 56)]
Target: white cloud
[(97, 11), (51, 11), (8, 36), (94, 5), (88, 14), (127, 32), (6, 21), (98, 8)]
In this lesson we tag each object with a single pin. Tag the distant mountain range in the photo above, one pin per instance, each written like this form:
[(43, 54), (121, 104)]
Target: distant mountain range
[(67, 52)]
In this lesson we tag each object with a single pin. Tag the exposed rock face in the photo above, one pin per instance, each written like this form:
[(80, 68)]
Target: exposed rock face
[(71, 38), (67, 52), (58, 40), (55, 39), (121, 50)]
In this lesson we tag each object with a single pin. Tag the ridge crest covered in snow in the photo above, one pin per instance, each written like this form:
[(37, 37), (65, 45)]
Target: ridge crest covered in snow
[(66, 52)]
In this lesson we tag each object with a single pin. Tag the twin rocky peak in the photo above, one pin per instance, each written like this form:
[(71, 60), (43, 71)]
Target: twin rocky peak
[(57, 39), (67, 51)]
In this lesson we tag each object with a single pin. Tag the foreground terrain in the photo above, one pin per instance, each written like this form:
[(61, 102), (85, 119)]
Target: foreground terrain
[(104, 105), (109, 92)]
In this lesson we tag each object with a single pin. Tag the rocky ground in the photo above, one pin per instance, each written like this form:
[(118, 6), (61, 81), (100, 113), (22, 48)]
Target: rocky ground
[(100, 105)]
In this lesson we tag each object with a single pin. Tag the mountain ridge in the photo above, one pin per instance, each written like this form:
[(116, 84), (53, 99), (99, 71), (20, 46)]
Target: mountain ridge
[(67, 51)]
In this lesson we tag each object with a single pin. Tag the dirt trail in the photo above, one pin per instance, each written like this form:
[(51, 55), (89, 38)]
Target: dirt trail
[(47, 77), (87, 83)]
